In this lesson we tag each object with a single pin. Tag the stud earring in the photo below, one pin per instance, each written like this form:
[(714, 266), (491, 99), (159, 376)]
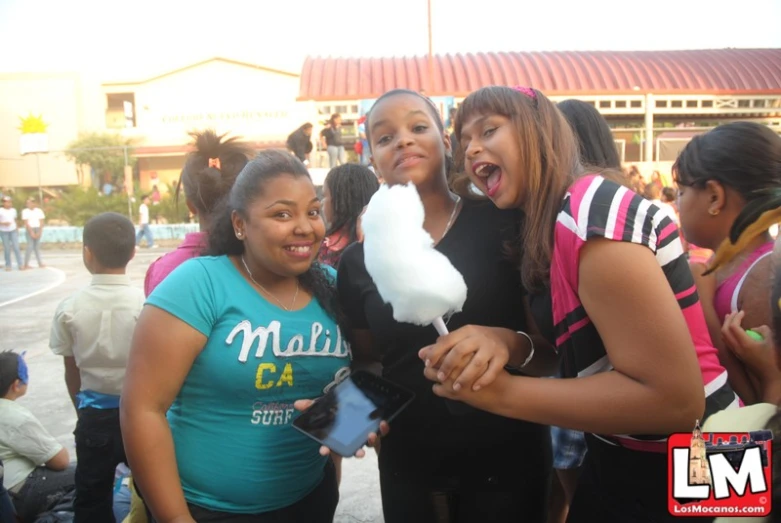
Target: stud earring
[(238, 234), (713, 212)]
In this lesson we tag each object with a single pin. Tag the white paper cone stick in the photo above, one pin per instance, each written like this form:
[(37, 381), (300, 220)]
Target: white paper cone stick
[(439, 324)]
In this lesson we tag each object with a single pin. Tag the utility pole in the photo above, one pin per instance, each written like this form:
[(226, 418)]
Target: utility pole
[(40, 188), (129, 187)]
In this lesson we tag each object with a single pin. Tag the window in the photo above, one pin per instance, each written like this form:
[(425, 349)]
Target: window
[(120, 110)]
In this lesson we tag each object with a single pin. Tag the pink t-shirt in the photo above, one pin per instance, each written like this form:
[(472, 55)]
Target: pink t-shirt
[(191, 247), (726, 299), (332, 248), (596, 207)]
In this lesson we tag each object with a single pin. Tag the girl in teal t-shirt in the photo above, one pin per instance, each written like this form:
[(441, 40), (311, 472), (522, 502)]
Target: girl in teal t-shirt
[(224, 347)]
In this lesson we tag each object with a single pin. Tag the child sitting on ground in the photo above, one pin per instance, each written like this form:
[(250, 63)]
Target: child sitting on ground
[(36, 468)]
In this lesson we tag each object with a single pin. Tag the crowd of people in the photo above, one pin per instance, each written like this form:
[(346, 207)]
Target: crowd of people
[(603, 313)]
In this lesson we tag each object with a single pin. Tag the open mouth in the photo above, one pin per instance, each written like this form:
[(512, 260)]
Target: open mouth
[(491, 175)]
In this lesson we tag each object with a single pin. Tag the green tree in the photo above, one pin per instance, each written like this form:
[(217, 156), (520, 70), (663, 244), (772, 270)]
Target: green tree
[(171, 210), (103, 152), (77, 204)]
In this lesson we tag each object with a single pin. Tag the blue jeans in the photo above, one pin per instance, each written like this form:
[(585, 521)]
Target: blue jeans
[(33, 246), (42, 489), (7, 510), (145, 231), (336, 155), (569, 448), (11, 242)]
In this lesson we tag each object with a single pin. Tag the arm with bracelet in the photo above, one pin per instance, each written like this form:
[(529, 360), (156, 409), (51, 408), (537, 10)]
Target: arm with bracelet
[(475, 355)]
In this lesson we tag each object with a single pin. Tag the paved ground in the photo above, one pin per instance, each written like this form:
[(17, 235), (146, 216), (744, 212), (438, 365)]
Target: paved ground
[(28, 300)]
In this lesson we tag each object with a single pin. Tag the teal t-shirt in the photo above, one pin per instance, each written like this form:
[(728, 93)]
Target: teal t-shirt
[(231, 422)]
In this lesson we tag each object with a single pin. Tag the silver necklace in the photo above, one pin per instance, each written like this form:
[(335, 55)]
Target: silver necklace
[(452, 218), (266, 290)]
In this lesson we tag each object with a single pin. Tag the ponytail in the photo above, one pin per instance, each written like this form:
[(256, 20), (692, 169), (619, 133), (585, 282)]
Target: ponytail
[(211, 169), (754, 220)]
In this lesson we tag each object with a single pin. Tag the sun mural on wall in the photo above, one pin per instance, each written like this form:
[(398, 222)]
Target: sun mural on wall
[(34, 138), (32, 124)]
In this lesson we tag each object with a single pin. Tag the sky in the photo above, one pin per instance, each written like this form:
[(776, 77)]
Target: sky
[(133, 40)]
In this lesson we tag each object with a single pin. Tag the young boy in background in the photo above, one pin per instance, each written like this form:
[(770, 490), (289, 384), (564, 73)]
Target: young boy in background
[(92, 331)]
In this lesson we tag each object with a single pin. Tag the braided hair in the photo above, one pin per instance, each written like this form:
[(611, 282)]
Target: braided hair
[(351, 187)]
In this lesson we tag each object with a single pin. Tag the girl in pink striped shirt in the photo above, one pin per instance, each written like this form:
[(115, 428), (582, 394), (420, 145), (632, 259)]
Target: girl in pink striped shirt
[(626, 318)]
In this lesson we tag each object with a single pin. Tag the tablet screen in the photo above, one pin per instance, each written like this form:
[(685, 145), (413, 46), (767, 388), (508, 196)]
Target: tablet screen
[(349, 412)]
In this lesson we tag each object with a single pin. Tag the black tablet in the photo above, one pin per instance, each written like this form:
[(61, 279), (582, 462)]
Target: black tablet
[(343, 419)]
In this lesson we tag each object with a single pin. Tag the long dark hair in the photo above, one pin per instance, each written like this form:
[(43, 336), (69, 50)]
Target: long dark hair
[(596, 143), (745, 157), (549, 158), (351, 187), (210, 170), (249, 185)]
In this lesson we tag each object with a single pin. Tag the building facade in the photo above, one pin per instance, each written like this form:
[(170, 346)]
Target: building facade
[(247, 100), (68, 103), (655, 101)]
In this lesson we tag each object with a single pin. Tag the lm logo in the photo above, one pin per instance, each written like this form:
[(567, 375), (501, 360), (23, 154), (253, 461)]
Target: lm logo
[(720, 473)]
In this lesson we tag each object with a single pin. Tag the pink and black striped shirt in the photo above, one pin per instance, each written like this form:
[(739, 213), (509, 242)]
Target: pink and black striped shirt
[(596, 207)]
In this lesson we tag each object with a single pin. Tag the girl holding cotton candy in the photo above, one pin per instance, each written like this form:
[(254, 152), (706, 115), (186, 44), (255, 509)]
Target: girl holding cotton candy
[(438, 463), (624, 312)]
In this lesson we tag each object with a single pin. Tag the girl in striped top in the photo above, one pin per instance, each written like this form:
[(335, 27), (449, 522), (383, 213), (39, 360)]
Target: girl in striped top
[(729, 182), (626, 318)]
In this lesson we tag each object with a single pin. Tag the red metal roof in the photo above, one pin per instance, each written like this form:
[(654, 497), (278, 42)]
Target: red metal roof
[(717, 71)]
